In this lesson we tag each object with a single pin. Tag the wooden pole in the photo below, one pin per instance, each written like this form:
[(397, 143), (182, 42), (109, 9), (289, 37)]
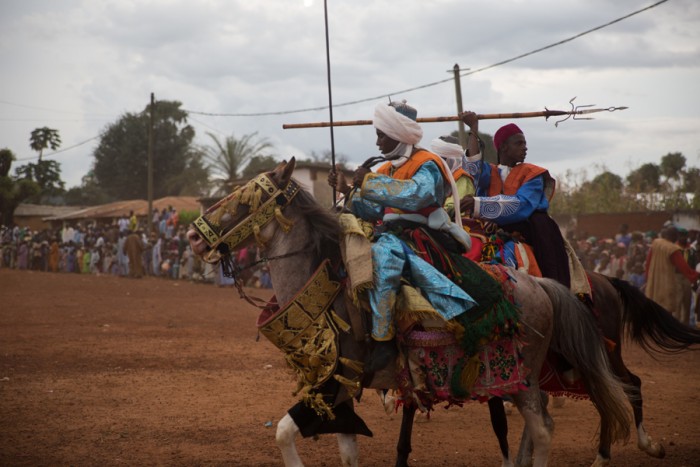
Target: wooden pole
[(151, 125), (499, 116), (458, 91)]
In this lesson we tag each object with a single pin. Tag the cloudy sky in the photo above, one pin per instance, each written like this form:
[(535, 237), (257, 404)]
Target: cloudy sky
[(78, 66)]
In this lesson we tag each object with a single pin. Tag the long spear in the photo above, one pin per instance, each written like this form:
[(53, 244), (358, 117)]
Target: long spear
[(575, 112)]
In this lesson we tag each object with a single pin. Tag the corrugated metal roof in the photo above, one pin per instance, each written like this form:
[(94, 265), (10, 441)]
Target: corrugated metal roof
[(123, 208), (42, 210)]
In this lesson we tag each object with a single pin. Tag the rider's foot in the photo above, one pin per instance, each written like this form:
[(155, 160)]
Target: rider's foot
[(383, 353)]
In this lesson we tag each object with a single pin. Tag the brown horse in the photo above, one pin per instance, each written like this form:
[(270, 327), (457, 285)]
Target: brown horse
[(300, 239), (621, 311)]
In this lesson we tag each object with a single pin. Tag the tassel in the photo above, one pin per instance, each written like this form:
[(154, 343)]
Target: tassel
[(350, 385), (284, 222), (255, 201), (354, 365), (340, 322), (259, 240), (470, 373)]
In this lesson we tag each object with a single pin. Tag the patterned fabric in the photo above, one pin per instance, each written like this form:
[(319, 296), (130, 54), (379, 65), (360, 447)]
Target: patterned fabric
[(434, 365), (392, 258)]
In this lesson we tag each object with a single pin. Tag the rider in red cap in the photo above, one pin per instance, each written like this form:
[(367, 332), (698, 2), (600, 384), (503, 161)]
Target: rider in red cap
[(515, 195)]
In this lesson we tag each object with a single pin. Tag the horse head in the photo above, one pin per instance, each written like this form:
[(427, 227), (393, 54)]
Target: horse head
[(231, 223)]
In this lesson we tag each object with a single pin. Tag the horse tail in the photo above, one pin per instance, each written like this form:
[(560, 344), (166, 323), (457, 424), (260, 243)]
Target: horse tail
[(577, 338), (650, 325)]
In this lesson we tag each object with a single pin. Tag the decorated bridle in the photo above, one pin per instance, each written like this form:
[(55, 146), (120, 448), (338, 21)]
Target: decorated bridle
[(265, 201)]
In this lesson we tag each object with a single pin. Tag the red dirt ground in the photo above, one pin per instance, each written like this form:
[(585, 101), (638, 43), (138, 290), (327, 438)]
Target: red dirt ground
[(99, 370)]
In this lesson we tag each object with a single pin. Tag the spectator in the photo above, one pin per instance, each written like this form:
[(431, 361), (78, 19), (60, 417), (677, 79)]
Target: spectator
[(669, 276)]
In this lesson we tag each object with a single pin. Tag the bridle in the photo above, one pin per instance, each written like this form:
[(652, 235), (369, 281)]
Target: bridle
[(266, 201)]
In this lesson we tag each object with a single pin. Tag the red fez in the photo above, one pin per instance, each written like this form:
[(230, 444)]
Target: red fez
[(504, 133)]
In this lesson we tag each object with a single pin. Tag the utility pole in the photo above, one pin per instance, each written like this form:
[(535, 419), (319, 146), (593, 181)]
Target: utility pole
[(458, 91), (149, 215)]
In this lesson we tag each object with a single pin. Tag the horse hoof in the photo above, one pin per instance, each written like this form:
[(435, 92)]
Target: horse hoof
[(652, 449)]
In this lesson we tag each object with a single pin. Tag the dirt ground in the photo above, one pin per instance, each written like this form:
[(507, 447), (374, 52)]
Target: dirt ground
[(99, 370)]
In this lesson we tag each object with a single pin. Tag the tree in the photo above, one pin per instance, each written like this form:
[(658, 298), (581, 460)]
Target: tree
[(645, 178), (121, 158), (227, 158), (12, 191), (47, 175), (42, 138), (488, 149), (89, 192)]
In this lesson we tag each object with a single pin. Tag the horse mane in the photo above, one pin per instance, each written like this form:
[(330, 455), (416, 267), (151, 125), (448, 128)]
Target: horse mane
[(325, 229)]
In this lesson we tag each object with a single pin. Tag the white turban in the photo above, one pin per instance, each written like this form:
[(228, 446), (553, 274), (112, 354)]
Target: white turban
[(397, 126), (451, 152)]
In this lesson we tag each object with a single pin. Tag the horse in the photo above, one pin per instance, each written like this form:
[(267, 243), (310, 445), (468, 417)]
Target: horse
[(622, 310), (301, 244)]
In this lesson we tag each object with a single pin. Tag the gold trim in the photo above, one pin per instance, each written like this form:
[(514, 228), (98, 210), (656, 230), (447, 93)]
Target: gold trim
[(306, 331)]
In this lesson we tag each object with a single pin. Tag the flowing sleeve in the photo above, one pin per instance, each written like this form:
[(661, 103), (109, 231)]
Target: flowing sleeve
[(480, 172), (505, 209), (425, 189)]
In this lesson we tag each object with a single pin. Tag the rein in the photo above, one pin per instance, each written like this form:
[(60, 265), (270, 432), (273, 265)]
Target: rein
[(230, 270)]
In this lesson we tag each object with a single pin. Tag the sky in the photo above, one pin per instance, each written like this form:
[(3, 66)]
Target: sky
[(78, 66)]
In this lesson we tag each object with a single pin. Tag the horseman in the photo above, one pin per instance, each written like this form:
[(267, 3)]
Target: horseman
[(512, 253), (406, 197), (515, 195)]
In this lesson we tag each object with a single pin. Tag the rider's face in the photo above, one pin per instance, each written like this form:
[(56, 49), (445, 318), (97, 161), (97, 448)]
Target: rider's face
[(385, 143), (514, 150)]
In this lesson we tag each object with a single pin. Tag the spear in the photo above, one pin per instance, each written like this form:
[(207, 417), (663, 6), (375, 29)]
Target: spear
[(574, 113)]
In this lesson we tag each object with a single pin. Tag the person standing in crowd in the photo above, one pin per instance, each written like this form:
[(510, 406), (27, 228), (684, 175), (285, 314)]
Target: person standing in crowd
[(133, 221), (623, 236), (133, 249), (668, 276), (123, 224), (157, 254), (23, 255), (54, 256)]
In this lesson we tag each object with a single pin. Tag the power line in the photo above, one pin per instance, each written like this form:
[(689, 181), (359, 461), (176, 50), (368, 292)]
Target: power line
[(60, 150), (434, 83)]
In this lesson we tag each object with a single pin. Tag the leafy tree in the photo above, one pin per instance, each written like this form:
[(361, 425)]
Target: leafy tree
[(121, 158), (227, 158), (42, 138), (12, 191), (47, 175), (488, 150), (672, 165), (645, 179), (89, 193)]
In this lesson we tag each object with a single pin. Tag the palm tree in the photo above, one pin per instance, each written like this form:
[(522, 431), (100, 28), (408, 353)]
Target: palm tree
[(227, 158), (42, 138)]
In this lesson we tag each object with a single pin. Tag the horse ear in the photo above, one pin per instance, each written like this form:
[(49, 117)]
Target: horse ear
[(283, 172)]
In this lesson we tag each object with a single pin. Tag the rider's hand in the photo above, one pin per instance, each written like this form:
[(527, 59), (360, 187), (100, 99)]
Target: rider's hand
[(336, 179), (359, 177), (466, 205), (470, 119)]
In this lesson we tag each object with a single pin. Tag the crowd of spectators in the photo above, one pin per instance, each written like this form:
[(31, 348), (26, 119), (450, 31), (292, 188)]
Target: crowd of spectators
[(94, 249), (624, 254), (91, 248)]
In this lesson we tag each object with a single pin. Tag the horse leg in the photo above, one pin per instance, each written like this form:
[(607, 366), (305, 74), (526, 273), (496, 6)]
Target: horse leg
[(644, 441), (349, 453), (286, 434), (403, 448), (538, 425), (499, 423)]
